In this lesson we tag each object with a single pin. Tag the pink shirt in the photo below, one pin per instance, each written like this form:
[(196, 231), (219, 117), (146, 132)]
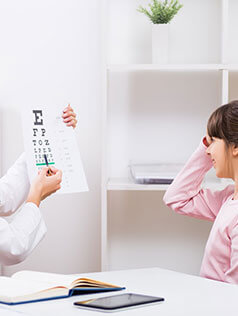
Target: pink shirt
[(185, 196)]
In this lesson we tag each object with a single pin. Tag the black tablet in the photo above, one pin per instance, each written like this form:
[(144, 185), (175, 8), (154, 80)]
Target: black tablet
[(118, 302)]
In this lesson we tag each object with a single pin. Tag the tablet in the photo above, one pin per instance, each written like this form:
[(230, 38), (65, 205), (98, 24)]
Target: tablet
[(118, 302)]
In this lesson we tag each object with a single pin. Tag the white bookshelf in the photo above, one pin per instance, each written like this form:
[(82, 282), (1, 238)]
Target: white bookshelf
[(121, 184), (126, 184), (168, 67), (140, 114)]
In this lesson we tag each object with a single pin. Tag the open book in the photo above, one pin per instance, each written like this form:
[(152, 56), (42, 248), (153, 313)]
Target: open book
[(30, 286)]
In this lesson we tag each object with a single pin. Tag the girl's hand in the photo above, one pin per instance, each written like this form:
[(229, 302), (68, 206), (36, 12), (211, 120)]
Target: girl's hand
[(207, 140), (44, 185), (69, 117)]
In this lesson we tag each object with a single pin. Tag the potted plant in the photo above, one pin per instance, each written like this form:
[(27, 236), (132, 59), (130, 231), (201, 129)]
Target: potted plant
[(160, 14)]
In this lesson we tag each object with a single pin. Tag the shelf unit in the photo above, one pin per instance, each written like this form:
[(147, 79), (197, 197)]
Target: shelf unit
[(125, 184), (126, 74), (168, 67)]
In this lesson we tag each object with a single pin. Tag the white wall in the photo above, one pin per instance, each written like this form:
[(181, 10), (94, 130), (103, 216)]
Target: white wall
[(50, 53), (194, 32), (158, 116), (149, 123), (145, 233)]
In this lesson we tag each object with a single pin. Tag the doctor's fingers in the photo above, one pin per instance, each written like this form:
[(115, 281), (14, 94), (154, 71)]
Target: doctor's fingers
[(56, 178), (59, 175), (69, 113), (43, 171), (72, 123), (68, 108), (54, 170), (69, 119)]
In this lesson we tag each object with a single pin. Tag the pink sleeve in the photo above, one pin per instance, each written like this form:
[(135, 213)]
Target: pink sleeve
[(231, 276), (185, 195)]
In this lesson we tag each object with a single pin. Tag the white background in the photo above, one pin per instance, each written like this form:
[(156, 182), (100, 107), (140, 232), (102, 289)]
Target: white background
[(50, 54)]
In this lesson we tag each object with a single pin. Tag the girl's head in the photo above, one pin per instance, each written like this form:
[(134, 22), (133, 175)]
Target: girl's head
[(222, 129)]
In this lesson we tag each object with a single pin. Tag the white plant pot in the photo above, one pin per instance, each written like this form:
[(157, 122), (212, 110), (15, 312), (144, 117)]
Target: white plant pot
[(160, 43)]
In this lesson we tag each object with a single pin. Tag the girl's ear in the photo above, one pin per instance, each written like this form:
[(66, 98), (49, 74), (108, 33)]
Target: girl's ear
[(235, 151)]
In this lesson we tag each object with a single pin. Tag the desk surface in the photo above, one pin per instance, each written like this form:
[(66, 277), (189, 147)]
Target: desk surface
[(184, 295)]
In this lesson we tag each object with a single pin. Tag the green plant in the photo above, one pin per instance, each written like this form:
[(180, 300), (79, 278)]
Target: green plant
[(161, 12)]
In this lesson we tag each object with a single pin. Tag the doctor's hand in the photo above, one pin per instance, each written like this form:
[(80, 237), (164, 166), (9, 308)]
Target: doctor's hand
[(69, 117), (44, 185)]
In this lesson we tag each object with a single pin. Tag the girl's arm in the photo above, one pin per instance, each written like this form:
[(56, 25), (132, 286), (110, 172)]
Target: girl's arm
[(231, 275), (185, 195)]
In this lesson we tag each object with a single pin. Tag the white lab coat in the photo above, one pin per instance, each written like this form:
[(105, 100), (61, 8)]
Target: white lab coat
[(25, 230)]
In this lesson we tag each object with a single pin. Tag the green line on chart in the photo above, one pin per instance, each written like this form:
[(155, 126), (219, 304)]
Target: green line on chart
[(44, 164)]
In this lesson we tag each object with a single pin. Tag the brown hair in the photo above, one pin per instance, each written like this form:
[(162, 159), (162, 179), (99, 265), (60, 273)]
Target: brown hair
[(223, 123)]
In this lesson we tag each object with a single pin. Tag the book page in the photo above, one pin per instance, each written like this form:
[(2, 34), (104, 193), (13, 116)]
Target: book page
[(45, 133), (10, 287), (51, 279), (54, 280), (85, 282)]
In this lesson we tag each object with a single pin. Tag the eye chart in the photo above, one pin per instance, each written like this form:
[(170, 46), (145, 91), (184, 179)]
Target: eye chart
[(45, 133)]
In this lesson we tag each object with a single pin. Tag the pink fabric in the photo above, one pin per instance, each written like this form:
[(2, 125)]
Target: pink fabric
[(185, 196)]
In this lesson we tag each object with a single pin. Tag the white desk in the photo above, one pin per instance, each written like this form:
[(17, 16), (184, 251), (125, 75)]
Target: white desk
[(184, 295)]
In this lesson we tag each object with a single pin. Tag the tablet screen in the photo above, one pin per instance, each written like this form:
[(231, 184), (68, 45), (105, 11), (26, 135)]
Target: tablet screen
[(119, 301)]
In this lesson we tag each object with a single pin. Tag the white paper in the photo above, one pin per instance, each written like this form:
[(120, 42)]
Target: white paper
[(45, 132)]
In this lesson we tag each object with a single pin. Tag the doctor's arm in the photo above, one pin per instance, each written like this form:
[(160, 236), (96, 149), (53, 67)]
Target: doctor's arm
[(14, 187), (27, 228), (19, 237)]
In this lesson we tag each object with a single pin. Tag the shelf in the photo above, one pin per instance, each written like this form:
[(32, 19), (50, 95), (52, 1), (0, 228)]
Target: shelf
[(123, 184), (233, 67), (171, 67)]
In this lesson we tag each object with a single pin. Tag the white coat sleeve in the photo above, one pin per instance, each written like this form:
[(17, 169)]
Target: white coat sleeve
[(19, 237), (14, 187)]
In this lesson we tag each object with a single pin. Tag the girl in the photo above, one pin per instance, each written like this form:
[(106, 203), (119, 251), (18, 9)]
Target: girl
[(21, 235), (219, 149)]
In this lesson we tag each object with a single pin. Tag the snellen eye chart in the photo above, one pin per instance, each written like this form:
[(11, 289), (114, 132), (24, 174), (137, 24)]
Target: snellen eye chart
[(45, 133)]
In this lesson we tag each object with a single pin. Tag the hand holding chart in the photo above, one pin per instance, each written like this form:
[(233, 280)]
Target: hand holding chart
[(49, 142)]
